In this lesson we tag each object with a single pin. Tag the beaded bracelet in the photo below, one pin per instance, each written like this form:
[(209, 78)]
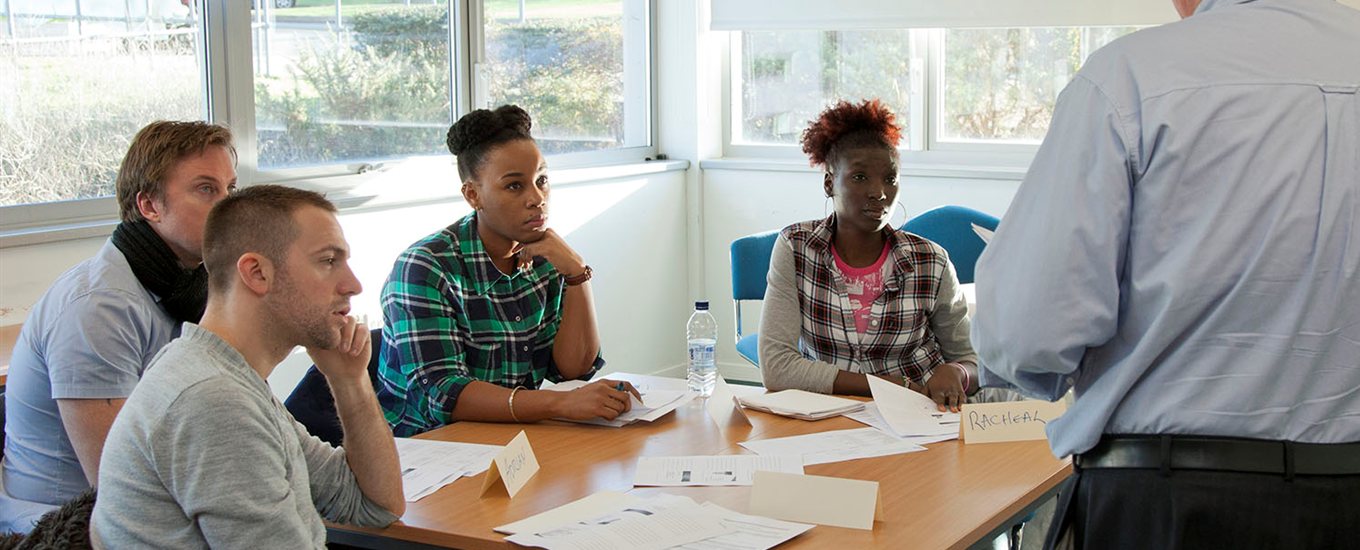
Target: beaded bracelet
[(512, 403)]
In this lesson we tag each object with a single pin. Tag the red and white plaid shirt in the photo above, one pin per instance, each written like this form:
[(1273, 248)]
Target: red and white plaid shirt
[(899, 339)]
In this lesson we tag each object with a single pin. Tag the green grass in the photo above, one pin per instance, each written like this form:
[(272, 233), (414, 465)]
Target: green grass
[(497, 9)]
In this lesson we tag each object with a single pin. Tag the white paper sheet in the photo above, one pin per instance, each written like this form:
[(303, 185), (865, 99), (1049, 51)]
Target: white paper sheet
[(801, 404), (676, 471), (983, 233), (595, 505), (602, 510), (949, 424), (834, 446), (427, 465), (906, 412), (747, 532), (663, 522), (655, 404)]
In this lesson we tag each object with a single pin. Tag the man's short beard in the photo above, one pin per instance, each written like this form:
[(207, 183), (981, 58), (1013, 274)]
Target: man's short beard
[(307, 325)]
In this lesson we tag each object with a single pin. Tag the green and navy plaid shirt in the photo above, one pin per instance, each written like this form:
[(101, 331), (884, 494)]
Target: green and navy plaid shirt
[(451, 317)]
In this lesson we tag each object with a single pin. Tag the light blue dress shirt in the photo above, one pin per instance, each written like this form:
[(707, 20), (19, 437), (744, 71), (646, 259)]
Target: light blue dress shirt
[(1185, 249), (91, 336)]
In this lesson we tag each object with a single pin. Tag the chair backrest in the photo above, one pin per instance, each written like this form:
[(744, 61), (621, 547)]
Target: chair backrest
[(312, 404), (951, 227), (750, 265)]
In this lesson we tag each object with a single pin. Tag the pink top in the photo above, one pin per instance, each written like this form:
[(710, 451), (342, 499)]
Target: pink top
[(863, 284)]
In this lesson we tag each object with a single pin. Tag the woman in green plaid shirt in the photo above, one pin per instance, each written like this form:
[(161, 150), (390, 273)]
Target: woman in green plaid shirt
[(478, 314)]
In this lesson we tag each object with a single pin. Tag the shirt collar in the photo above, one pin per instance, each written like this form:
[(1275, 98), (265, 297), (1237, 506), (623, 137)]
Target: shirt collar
[(482, 272), (1207, 5), (821, 244)]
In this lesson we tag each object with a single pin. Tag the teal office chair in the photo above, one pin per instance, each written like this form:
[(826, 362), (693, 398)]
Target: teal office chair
[(952, 228), (750, 265)]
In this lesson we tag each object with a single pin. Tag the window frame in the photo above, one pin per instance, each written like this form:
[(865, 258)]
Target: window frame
[(228, 81), (924, 151)]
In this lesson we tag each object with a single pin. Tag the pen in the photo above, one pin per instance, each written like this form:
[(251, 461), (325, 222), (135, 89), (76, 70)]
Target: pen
[(619, 386)]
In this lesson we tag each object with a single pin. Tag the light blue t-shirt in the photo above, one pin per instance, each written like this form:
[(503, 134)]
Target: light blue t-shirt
[(1185, 249), (90, 336)]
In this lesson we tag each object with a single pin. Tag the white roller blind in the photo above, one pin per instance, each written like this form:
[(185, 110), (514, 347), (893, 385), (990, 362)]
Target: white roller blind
[(879, 14)]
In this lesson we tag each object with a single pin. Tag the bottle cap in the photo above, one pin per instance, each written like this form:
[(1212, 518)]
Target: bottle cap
[(701, 305)]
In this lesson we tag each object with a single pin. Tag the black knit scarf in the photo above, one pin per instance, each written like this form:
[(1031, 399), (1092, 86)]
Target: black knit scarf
[(183, 292)]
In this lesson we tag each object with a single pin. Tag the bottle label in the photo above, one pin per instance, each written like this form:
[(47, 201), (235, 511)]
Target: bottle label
[(700, 352)]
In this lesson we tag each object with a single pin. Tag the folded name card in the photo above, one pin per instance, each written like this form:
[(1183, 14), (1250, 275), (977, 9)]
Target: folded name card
[(724, 408), (823, 500), (1007, 421), (513, 467)]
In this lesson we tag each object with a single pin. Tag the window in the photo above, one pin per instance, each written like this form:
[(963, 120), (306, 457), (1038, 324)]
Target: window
[(578, 67), (788, 77), (312, 88), (354, 81), (987, 87), (80, 79), (999, 85)]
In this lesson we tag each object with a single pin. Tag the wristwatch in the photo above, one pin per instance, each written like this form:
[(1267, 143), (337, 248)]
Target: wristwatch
[(584, 276)]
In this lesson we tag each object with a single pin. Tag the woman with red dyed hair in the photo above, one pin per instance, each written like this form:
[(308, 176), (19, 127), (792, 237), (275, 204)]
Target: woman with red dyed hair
[(850, 296)]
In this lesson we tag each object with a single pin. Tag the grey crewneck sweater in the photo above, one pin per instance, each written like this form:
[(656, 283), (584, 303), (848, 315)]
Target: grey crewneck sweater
[(203, 455)]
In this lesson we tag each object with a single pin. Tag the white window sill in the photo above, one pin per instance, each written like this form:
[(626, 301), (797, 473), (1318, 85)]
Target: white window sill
[(405, 184), (909, 169)]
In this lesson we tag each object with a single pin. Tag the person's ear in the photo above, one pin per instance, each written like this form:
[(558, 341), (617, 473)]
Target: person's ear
[(150, 208), (256, 272), (828, 184), (470, 195)]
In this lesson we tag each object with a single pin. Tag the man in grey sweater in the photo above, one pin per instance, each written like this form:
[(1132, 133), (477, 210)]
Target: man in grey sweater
[(202, 455)]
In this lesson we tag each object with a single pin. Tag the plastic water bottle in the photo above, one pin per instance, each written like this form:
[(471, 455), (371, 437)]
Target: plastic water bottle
[(702, 333)]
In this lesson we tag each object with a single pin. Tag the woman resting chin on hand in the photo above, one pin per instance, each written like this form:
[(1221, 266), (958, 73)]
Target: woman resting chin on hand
[(480, 313)]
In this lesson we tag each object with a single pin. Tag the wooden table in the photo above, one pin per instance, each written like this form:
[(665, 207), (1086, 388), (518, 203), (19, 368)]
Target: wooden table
[(950, 496)]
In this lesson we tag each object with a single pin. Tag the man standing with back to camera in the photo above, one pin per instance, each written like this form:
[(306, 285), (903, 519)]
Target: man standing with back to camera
[(1203, 298)]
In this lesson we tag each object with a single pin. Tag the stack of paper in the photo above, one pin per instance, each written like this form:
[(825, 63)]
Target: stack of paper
[(834, 446), (607, 520), (428, 465), (655, 403), (947, 425), (801, 404), (710, 470)]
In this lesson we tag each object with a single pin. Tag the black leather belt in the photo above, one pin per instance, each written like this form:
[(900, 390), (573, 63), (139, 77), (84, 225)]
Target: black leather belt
[(1222, 454)]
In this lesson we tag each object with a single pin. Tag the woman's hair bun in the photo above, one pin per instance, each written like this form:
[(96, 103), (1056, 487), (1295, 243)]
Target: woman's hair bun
[(484, 126)]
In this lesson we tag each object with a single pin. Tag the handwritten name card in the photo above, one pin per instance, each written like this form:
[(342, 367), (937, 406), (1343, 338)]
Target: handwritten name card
[(1008, 421), (512, 467)]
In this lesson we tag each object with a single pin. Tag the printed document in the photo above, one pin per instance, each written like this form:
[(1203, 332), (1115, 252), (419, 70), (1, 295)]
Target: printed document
[(834, 446), (748, 532), (906, 412), (428, 465), (663, 522), (674, 471), (948, 422), (656, 522)]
